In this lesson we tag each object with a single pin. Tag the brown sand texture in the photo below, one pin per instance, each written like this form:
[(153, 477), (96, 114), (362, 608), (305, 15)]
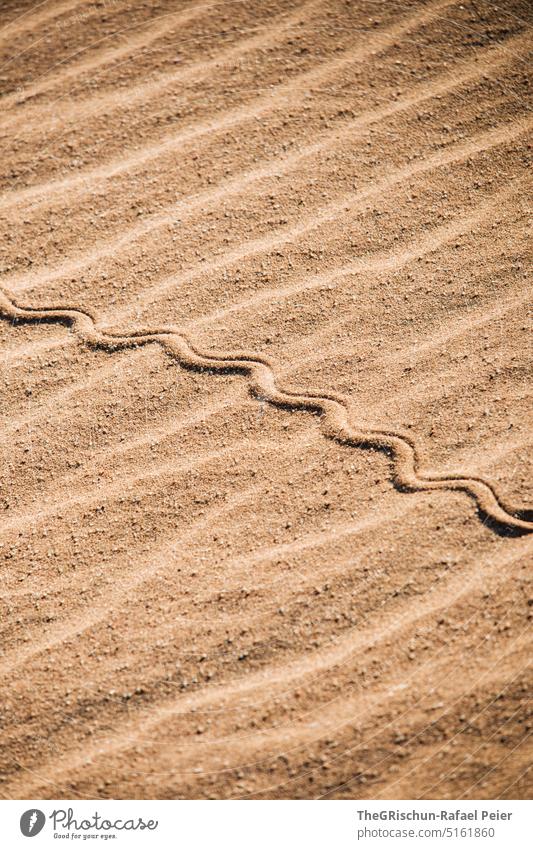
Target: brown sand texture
[(265, 500)]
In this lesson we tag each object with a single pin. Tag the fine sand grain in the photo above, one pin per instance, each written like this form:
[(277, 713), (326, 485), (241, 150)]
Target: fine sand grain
[(265, 408)]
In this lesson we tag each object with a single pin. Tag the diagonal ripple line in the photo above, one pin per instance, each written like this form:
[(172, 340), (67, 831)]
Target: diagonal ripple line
[(332, 408)]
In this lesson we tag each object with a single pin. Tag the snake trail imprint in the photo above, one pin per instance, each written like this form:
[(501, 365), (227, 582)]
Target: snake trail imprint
[(331, 407)]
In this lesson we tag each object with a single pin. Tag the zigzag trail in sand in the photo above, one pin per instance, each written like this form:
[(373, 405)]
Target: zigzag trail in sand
[(206, 591), (331, 407)]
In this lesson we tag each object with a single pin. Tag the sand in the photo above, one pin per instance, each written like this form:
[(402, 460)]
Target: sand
[(265, 402)]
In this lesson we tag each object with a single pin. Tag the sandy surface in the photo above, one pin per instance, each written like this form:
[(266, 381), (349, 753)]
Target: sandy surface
[(265, 451)]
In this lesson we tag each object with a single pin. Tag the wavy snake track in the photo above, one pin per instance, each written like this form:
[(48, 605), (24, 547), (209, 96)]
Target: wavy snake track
[(331, 407)]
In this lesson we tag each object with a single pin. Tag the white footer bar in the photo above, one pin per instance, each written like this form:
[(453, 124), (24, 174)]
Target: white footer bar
[(268, 824)]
